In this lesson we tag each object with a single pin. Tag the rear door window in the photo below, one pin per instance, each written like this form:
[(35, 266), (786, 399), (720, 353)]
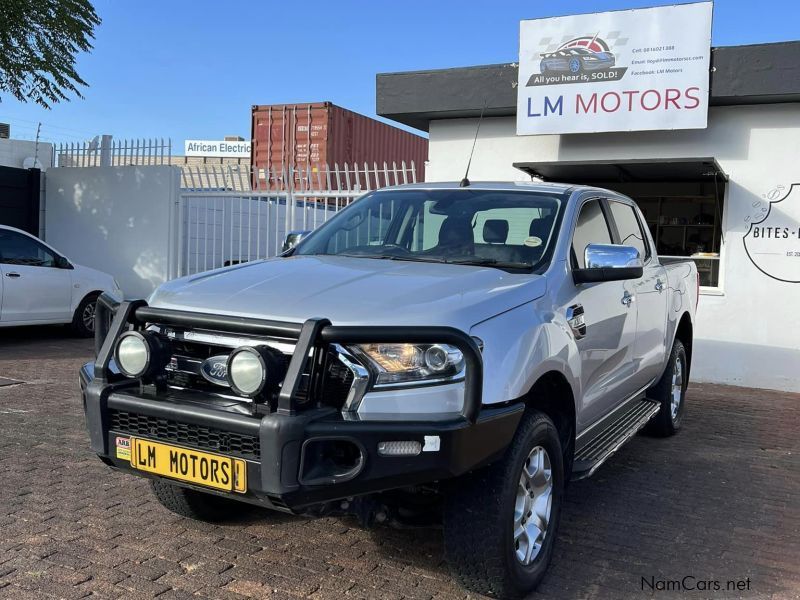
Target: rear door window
[(629, 228)]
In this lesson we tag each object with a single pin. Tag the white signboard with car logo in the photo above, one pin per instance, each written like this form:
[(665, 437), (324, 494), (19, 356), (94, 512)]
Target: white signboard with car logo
[(627, 70)]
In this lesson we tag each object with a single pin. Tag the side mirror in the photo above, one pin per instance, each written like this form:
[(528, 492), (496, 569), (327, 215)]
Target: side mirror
[(609, 262), (63, 263), (293, 238)]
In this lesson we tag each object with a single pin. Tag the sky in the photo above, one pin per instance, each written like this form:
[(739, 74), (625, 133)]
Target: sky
[(184, 69)]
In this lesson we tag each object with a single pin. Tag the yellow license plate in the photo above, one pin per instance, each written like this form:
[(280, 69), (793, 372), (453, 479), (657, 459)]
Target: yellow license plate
[(202, 468)]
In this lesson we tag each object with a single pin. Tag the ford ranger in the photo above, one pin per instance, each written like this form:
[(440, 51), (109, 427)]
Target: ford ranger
[(456, 350)]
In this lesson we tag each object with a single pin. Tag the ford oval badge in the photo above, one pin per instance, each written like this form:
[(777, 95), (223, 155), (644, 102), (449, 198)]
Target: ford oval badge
[(215, 370)]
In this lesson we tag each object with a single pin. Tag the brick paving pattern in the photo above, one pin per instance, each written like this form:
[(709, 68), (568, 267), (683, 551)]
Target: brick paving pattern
[(720, 501)]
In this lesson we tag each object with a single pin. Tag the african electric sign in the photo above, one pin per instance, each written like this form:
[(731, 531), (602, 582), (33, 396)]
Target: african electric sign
[(617, 71)]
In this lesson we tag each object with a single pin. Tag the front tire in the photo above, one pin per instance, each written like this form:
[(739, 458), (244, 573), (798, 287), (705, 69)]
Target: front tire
[(500, 523), (193, 504), (83, 319), (670, 392)]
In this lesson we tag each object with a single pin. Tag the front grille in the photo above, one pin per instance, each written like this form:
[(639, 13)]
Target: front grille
[(184, 370), (196, 436)]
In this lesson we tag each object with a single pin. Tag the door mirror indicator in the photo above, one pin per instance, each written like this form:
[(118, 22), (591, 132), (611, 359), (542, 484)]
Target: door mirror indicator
[(609, 262)]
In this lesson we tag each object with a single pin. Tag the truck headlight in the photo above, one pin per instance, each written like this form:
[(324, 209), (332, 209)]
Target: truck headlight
[(141, 354), (408, 363)]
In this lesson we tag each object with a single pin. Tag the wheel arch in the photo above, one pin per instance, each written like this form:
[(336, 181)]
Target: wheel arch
[(685, 333), (552, 394)]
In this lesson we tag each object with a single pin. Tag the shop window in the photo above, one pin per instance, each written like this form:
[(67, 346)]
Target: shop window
[(687, 226)]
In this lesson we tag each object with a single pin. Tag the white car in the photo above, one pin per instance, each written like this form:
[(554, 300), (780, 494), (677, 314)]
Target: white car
[(40, 286)]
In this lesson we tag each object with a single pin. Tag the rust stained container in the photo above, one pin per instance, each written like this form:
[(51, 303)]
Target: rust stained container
[(309, 136)]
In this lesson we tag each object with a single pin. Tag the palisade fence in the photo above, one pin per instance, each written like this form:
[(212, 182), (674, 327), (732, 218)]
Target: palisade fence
[(229, 213), (103, 151), (235, 214)]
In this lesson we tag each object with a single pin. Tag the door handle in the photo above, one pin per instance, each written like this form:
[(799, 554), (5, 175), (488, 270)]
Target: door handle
[(659, 285), (13, 275), (627, 298), (576, 320)]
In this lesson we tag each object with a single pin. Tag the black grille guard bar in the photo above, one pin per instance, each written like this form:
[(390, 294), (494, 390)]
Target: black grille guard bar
[(113, 318)]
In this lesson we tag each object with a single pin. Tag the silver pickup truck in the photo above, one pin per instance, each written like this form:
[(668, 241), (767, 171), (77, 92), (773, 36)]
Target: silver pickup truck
[(433, 351)]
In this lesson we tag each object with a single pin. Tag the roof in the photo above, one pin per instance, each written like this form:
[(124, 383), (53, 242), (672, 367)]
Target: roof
[(754, 74), (528, 186)]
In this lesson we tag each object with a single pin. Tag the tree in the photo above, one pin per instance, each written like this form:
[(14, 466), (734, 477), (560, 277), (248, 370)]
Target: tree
[(39, 40)]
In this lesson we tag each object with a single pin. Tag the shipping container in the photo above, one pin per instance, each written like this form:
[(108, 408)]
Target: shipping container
[(306, 137)]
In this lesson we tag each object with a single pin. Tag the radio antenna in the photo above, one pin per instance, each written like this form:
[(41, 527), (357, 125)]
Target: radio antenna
[(465, 181)]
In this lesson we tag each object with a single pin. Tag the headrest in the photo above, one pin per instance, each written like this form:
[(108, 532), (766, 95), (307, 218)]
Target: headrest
[(541, 227), (495, 231), (455, 230)]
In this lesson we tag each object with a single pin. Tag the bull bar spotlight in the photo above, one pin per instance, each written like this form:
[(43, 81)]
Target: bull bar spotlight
[(254, 369), (141, 354)]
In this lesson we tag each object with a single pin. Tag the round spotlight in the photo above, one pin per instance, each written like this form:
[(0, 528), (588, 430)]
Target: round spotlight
[(252, 369), (139, 354)]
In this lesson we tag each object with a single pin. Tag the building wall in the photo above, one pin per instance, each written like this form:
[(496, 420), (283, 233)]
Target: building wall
[(747, 333), (120, 220), (14, 152)]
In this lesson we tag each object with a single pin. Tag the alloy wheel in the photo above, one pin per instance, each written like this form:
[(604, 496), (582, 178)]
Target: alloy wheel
[(88, 316), (677, 388), (533, 505)]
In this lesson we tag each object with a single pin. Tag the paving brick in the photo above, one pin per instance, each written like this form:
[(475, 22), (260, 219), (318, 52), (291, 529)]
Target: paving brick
[(719, 500)]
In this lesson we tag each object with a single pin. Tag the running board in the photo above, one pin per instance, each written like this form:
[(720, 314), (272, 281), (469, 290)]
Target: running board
[(596, 452)]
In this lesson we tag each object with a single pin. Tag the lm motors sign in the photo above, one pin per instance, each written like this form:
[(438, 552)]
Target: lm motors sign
[(626, 70)]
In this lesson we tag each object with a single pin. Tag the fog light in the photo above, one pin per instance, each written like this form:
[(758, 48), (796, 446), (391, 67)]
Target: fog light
[(252, 370), (141, 354), (402, 448)]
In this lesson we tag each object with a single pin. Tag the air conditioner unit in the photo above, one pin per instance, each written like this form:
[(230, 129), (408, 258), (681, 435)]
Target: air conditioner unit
[(5, 131)]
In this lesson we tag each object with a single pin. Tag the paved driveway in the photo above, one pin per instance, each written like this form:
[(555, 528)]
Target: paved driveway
[(720, 503)]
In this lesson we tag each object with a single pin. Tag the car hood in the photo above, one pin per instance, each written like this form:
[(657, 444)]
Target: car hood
[(353, 291)]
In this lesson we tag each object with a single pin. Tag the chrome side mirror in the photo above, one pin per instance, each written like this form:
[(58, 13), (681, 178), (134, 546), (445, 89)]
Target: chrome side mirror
[(293, 238), (609, 262)]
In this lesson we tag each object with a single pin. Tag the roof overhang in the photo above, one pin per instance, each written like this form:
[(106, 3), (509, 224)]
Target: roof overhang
[(756, 74), (598, 172)]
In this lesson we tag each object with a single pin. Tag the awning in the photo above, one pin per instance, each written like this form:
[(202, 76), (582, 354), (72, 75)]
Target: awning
[(597, 172)]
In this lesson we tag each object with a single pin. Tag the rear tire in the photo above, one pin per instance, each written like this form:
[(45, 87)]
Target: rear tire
[(83, 319), (670, 393), (489, 515), (193, 504)]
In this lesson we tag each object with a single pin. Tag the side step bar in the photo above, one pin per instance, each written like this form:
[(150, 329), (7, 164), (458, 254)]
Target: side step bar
[(596, 452)]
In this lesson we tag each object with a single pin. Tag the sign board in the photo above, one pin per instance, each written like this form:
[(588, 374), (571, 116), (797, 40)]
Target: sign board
[(216, 148), (628, 70), (772, 241)]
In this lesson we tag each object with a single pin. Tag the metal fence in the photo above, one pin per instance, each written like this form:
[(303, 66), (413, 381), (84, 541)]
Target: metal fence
[(104, 151), (233, 214)]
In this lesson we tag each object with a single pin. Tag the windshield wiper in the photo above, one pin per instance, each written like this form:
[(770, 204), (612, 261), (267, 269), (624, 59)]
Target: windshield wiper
[(490, 262), (435, 259)]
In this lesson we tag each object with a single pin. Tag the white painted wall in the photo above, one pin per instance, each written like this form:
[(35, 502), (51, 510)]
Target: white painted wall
[(14, 152), (748, 335), (116, 219)]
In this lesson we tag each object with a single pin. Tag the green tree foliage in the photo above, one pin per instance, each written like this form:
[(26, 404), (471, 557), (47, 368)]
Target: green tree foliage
[(39, 40)]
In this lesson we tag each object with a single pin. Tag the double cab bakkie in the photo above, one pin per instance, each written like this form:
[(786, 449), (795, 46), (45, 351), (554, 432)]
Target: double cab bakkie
[(455, 350)]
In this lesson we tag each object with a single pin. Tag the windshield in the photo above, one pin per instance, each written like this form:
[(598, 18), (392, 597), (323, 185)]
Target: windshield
[(500, 228)]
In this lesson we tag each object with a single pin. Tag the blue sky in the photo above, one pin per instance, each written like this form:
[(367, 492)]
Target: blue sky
[(192, 69)]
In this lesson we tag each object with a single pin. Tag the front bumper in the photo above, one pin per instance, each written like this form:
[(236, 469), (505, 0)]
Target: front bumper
[(285, 474)]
